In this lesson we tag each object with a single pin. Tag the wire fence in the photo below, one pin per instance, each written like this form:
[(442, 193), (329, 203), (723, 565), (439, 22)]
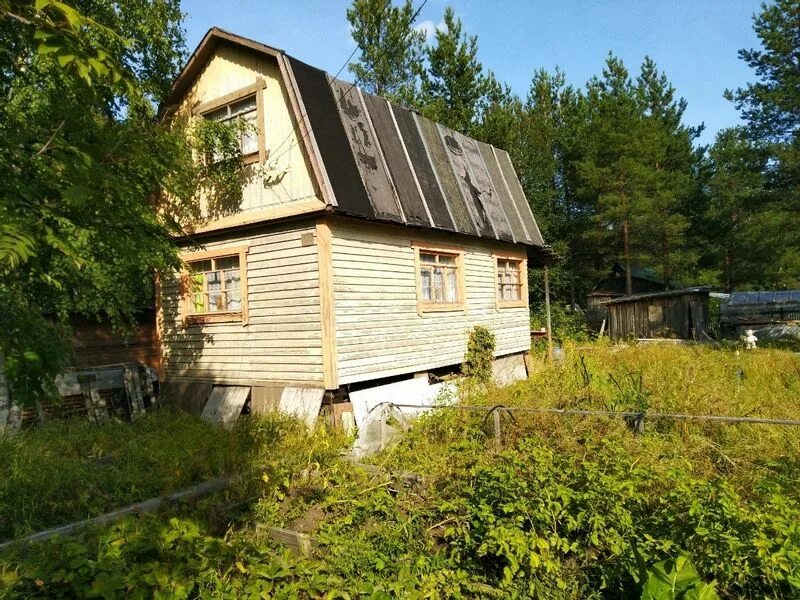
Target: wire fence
[(637, 419)]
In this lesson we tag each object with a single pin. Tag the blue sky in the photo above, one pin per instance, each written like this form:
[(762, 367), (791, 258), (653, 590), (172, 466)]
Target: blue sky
[(694, 41)]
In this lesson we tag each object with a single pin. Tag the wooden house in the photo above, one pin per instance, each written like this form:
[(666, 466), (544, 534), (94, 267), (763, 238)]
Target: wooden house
[(643, 281), (681, 314), (368, 243)]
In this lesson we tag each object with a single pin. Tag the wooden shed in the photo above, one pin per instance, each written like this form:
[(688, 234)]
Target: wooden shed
[(681, 314)]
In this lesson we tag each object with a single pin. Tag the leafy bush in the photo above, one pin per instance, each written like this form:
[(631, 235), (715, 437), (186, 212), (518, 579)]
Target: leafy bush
[(480, 354)]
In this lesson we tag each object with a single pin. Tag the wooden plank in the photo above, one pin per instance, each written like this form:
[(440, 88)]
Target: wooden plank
[(225, 404)]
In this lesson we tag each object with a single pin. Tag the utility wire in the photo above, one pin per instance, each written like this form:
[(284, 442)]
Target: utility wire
[(353, 85)]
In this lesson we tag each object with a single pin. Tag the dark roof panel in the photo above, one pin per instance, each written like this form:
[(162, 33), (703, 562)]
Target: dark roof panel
[(764, 297), (414, 208), (339, 161), (518, 195), (499, 184), (423, 168), (466, 184), (447, 179), (490, 198), (365, 149)]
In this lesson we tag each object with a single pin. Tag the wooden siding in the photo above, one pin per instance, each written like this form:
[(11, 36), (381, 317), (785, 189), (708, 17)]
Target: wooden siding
[(96, 343), (281, 344), (289, 178), (379, 332)]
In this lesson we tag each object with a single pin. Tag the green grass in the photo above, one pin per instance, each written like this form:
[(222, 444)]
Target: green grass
[(559, 511), (50, 475)]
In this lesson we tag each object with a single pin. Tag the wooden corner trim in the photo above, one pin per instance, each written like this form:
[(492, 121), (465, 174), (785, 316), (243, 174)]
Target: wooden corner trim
[(330, 358)]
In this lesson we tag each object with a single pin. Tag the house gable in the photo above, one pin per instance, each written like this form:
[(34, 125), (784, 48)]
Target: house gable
[(280, 181)]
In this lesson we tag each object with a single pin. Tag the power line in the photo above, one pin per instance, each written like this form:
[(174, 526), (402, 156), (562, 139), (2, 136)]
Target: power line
[(354, 84)]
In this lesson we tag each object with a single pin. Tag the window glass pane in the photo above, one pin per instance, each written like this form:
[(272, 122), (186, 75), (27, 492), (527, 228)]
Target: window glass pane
[(243, 106), (232, 279), (444, 259), (228, 262), (249, 142), (234, 299), (438, 285), (218, 114), (216, 302), (452, 286), (214, 281), (425, 281), (427, 258), (200, 266)]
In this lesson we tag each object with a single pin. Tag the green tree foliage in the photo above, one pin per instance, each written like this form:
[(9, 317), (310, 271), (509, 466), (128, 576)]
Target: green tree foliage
[(453, 86), (93, 183), (390, 60), (737, 229), (771, 107)]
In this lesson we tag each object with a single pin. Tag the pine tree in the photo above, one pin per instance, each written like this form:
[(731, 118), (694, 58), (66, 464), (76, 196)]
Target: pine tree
[(390, 61), (454, 86), (611, 173)]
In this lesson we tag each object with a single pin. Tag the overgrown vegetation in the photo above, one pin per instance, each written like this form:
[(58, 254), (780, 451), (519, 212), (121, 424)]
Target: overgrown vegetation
[(568, 507), (480, 354)]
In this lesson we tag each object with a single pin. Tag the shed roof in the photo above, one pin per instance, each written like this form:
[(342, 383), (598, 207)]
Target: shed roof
[(383, 162), (704, 290), (764, 297)]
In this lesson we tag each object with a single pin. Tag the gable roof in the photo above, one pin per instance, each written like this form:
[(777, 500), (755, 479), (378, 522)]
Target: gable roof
[(377, 160)]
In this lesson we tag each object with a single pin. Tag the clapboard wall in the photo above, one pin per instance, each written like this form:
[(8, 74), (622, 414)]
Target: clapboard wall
[(379, 332), (281, 344)]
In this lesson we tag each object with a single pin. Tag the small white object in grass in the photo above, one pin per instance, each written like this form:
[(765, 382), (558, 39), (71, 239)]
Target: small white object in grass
[(750, 339)]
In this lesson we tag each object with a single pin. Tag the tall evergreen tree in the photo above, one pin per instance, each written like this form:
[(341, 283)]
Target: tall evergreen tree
[(611, 173), (737, 251), (391, 49), (771, 107), (453, 86), (668, 151)]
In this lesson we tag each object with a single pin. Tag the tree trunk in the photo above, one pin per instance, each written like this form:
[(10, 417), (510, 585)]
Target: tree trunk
[(628, 276)]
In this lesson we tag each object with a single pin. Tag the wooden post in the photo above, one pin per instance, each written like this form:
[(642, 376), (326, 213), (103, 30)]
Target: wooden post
[(133, 388), (95, 405), (384, 428), (547, 312), (496, 417)]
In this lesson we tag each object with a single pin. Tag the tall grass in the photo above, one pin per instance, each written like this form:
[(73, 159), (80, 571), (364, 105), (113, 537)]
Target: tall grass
[(70, 470)]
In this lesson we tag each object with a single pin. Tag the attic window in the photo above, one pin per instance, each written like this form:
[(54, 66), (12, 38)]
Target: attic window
[(246, 112), (215, 286), (511, 271), (244, 106), (440, 278)]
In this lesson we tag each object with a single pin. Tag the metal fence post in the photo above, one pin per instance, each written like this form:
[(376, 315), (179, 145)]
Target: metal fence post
[(497, 439)]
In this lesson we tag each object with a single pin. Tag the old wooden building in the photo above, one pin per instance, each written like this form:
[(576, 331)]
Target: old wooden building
[(679, 314), (368, 243)]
